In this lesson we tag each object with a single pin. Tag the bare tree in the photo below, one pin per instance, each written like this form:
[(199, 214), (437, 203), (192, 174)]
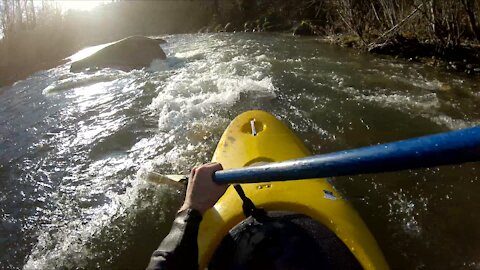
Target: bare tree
[(3, 17), (469, 6)]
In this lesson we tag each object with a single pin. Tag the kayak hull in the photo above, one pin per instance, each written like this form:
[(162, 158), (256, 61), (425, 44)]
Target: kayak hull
[(257, 137)]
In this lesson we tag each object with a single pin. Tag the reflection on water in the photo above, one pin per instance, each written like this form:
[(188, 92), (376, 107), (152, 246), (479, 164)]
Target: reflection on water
[(75, 147)]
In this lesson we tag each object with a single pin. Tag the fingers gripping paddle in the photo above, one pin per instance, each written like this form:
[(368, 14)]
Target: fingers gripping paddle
[(434, 150)]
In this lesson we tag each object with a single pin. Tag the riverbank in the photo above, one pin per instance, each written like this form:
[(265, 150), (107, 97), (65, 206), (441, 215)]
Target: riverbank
[(38, 38), (445, 35), (463, 58), (84, 141), (11, 74)]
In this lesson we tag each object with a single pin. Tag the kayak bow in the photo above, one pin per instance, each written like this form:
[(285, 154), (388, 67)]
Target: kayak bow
[(257, 137)]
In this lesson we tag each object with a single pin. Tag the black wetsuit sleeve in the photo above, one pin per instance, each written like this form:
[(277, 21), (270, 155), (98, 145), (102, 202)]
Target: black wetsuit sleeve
[(179, 250)]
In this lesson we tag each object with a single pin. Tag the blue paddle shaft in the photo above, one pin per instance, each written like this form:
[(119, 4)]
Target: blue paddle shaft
[(440, 149)]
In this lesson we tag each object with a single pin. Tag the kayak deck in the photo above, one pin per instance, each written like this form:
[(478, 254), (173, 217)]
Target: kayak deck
[(256, 137)]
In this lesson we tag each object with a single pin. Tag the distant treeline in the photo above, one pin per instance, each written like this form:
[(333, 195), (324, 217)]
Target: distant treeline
[(40, 31), (36, 34), (448, 22)]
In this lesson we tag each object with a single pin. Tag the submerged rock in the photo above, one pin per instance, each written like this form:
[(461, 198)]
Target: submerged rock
[(130, 53), (160, 40)]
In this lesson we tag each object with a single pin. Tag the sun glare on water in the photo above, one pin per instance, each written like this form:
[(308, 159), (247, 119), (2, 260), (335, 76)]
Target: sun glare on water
[(84, 5)]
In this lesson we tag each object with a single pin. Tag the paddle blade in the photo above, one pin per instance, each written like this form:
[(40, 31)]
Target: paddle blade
[(158, 178)]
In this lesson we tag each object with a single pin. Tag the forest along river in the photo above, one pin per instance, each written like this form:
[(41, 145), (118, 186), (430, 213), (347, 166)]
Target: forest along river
[(74, 148)]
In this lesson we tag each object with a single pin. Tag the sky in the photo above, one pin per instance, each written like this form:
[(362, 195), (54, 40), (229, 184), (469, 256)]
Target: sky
[(81, 4), (84, 5)]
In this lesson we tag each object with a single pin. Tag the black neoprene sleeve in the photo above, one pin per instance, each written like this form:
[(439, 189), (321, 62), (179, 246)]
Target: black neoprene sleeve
[(179, 250)]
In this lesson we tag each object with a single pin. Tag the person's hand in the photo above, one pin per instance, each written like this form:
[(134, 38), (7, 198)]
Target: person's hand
[(202, 192)]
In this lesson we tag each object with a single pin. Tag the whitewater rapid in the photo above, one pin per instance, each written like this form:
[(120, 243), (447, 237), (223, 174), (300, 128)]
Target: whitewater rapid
[(76, 147)]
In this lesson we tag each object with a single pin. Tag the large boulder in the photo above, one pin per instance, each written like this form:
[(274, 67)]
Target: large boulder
[(130, 53)]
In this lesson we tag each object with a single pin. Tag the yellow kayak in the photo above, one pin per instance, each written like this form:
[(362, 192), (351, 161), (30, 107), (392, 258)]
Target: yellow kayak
[(257, 137)]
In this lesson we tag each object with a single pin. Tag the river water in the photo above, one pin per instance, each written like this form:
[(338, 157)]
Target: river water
[(74, 148)]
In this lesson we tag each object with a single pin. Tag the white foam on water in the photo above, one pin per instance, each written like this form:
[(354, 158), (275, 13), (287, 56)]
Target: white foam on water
[(453, 123), (93, 211), (399, 101), (183, 100), (192, 54), (426, 104), (71, 244), (405, 210), (418, 104), (206, 87), (71, 81), (417, 80), (191, 104), (159, 65), (194, 94)]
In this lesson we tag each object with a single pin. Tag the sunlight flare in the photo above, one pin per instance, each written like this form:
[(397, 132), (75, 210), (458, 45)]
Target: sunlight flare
[(84, 5)]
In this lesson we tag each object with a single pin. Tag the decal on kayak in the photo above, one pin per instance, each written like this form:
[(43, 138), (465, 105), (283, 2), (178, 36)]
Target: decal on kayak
[(329, 195)]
